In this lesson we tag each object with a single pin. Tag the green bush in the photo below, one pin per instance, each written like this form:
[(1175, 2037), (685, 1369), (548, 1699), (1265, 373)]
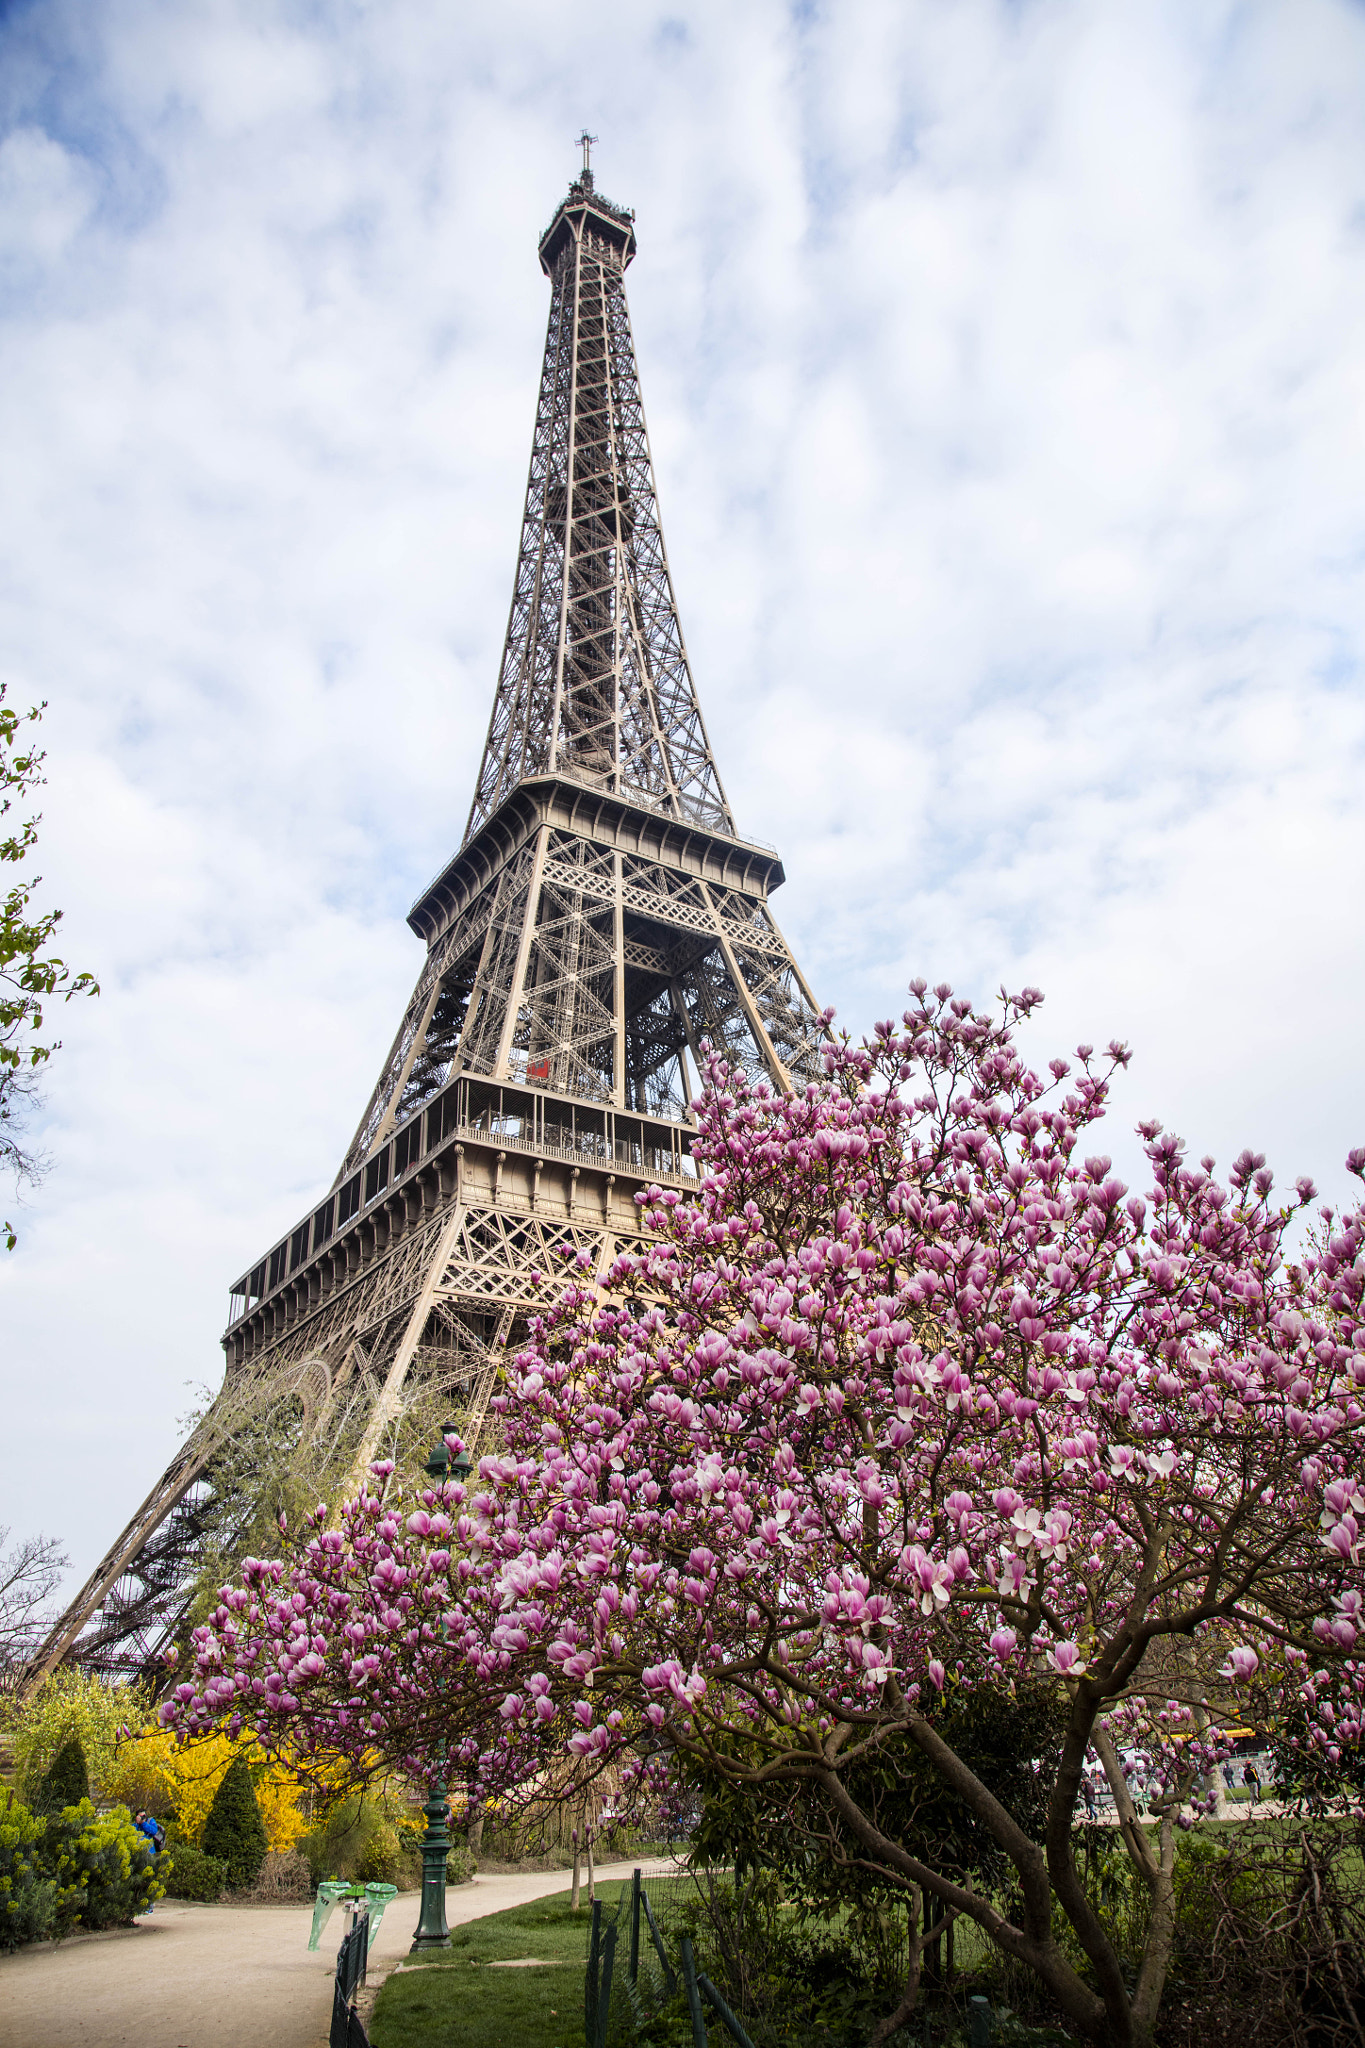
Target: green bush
[(379, 1857), (76, 1868), (340, 1846), (234, 1831), (189, 1874), (28, 1898), (66, 1782), (362, 1839), (103, 1867)]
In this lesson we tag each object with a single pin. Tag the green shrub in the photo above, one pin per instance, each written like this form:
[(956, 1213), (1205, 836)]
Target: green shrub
[(103, 1867), (30, 1913), (379, 1856), (234, 1831), (341, 1844), (189, 1874), (363, 1839), (66, 1782), (28, 1898)]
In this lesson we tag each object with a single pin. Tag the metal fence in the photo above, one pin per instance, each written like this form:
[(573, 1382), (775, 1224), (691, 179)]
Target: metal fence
[(641, 1960), (637, 1953), (352, 1958)]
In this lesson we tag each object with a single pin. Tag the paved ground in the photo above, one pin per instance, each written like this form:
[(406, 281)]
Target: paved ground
[(217, 1976)]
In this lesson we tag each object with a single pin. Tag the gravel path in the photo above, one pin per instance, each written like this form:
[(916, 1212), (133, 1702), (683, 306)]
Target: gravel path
[(217, 1976)]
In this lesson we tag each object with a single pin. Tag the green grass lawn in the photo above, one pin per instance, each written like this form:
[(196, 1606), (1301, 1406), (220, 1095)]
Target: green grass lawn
[(459, 2002)]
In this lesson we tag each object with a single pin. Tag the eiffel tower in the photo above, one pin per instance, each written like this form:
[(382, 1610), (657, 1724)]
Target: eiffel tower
[(601, 923)]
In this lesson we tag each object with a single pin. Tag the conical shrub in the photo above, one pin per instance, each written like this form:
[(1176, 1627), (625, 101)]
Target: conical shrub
[(234, 1831), (66, 1781)]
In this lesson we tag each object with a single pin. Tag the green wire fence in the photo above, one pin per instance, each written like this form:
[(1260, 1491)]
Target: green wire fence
[(638, 1957)]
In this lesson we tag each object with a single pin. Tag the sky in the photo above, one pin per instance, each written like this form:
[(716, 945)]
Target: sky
[(1005, 373)]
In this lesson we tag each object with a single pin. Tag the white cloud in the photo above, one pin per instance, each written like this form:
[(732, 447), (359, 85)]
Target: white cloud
[(45, 196), (1003, 370)]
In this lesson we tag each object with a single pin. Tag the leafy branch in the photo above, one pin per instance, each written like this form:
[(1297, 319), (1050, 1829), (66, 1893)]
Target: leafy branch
[(30, 974)]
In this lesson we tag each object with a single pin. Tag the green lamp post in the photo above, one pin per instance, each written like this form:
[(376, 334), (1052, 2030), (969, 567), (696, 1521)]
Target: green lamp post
[(432, 1931)]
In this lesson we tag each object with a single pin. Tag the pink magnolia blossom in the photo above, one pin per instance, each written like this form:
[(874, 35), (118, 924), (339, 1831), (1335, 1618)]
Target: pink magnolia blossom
[(909, 1384)]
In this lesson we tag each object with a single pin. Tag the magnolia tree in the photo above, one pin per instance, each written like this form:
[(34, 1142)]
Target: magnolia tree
[(910, 1397)]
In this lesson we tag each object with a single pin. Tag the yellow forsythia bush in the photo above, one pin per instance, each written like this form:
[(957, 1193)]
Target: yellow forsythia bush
[(144, 1767), (154, 1769)]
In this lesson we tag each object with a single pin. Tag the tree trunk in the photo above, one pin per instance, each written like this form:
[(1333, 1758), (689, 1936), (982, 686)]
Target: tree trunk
[(573, 1899), (1156, 1954), (592, 1885), (910, 1996), (1032, 1944), (931, 1951), (1218, 1786), (932, 1932)]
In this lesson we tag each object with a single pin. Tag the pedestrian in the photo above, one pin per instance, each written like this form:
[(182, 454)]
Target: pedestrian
[(149, 1826), (1251, 1778), (1088, 1794)]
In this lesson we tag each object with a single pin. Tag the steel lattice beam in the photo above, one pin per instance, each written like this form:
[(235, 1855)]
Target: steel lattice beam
[(602, 923)]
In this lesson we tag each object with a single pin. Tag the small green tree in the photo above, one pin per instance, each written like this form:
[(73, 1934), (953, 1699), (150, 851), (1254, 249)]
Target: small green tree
[(234, 1831), (29, 972), (66, 1781)]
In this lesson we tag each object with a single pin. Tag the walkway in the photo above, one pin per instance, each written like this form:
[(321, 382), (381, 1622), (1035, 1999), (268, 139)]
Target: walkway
[(217, 1976)]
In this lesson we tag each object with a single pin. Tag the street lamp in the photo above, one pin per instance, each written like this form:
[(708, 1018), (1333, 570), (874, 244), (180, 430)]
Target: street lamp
[(438, 1458), (432, 1931)]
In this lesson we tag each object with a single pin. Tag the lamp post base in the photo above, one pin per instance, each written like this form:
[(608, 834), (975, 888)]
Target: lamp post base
[(432, 1931)]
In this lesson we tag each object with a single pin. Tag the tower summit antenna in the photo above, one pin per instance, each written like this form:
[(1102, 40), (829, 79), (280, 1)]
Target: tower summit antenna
[(586, 142)]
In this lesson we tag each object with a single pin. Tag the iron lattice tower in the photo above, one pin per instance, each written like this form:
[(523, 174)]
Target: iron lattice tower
[(601, 921)]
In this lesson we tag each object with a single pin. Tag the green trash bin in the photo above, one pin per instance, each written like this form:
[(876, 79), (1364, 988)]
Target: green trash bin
[(331, 1892), (377, 1896)]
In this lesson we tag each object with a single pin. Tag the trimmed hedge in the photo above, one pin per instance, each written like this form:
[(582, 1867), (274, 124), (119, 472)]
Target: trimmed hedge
[(189, 1874), (234, 1832), (66, 1781)]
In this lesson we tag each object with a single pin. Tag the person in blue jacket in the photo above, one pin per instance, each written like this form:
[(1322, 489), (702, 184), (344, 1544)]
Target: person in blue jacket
[(147, 1824)]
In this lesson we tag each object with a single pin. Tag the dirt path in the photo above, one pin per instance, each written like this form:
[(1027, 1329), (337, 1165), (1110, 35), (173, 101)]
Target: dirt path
[(216, 1976)]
